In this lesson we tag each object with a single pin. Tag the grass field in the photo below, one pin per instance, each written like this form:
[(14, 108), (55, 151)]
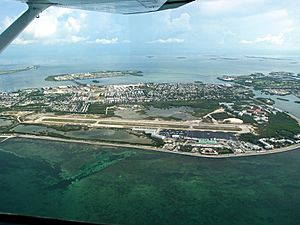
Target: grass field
[(69, 120)]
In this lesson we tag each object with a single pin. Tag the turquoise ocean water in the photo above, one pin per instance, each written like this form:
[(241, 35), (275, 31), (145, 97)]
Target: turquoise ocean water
[(147, 187)]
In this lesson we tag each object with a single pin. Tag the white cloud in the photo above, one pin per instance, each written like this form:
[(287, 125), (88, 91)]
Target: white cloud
[(104, 41), (205, 24), (272, 39), (44, 27), (48, 24), (76, 39), (179, 23), (168, 41), (65, 40), (62, 26), (21, 41), (82, 15), (54, 26), (106, 23), (272, 27), (7, 22), (73, 24)]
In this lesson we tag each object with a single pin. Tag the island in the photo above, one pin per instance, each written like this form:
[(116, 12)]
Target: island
[(283, 99), (267, 58), (3, 72), (275, 83), (93, 75), (195, 119)]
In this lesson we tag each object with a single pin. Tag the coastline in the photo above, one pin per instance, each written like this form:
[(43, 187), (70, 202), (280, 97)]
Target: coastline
[(150, 148)]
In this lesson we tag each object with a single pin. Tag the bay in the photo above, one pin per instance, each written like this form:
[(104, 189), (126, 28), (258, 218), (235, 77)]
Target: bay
[(159, 68)]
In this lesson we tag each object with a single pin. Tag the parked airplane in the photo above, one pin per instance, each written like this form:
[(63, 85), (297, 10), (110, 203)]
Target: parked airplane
[(35, 7)]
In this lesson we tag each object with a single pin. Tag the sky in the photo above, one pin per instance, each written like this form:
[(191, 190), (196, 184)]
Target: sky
[(201, 26)]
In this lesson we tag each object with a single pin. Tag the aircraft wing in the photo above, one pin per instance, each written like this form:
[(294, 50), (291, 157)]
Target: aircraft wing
[(35, 7), (114, 6)]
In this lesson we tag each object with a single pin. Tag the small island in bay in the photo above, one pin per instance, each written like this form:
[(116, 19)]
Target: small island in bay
[(93, 75), (198, 82), (283, 99), (3, 72), (267, 58)]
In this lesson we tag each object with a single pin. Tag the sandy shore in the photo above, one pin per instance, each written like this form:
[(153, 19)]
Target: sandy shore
[(143, 147)]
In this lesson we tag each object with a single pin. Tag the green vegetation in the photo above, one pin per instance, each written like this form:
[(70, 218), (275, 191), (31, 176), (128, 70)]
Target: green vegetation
[(221, 116), (186, 148), (279, 125), (6, 123), (278, 83), (261, 83), (224, 151), (109, 135), (50, 78), (157, 142), (93, 75), (240, 105), (250, 137), (37, 98), (36, 107), (247, 119), (53, 134), (164, 118), (200, 107), (98, 108), (69, 120), (64, 128), (267, 101)]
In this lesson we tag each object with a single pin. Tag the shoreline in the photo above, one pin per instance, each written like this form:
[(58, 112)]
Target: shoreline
[(150, 148)]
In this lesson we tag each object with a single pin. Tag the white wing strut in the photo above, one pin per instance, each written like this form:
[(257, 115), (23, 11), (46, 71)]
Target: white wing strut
[(20, 24)]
